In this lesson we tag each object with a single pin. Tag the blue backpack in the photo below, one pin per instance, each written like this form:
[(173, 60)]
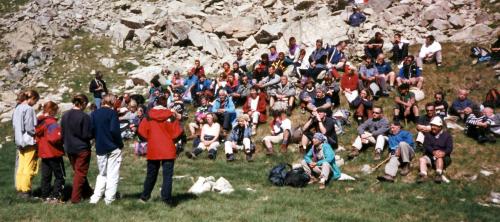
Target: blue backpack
[(278, 173)]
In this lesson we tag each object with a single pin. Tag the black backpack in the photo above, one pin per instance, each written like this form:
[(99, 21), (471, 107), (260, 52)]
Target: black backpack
[(278, 173), (296, 178)]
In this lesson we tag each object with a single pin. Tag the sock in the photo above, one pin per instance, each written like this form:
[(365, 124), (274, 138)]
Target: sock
[(438, 171), (423, 173)]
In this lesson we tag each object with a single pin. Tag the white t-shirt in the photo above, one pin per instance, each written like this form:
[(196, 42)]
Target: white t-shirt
[(254, 103), (285, 125), (434, 47), (211, 130)]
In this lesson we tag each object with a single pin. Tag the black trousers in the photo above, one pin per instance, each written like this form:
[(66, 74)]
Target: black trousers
[(52, 166), (152, 175)]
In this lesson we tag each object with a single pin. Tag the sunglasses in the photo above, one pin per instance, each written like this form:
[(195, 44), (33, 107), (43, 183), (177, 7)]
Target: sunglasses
[(429, 110)]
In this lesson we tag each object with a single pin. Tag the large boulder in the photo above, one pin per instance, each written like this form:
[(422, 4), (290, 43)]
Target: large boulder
[(440, 24), (303, 4), (433, 12), (249, 43), (120, 33), (456, 21), (239, 27), (23, 39), (133, 22), (473, 34), (331, 29), (379, 5), (269, 33), (146, 73), (210, 43)]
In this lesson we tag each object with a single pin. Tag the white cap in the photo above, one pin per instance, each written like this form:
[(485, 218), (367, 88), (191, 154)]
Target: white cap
[(437, 121)]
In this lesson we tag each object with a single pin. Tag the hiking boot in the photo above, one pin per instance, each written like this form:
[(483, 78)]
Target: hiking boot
[(190, 155), (312, 180), (421, 178), (230, 157), (377, 155), (24, 195), (419, 147), (386, 178), (385, 94), (405, 169), (354, 153), (289, 111), (212, 154), (269, 152), (438, 178), (283, 148), (482, 139), (249, 157)]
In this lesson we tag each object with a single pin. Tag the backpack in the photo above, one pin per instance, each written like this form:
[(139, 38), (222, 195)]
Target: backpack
[(296, 178), (278, 173)]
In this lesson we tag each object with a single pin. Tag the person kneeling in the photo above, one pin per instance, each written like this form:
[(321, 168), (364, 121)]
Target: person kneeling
[(239, 138), (319, 162), (401, 148)]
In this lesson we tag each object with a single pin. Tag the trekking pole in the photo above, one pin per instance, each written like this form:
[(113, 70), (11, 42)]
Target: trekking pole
[(380, 164)]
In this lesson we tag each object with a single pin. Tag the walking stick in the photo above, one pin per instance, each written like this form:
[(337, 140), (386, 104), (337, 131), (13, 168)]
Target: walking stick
[(380, 164)]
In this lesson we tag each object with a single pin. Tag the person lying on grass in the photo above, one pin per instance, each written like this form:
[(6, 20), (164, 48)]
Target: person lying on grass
[(319, 163)]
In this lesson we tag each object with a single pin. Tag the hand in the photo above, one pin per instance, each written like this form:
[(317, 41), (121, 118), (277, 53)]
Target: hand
[(438, 153), (317, 117), (206, 143), (312, 164)]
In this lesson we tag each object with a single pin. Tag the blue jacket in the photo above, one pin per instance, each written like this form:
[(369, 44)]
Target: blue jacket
[(409, 71), (356, 19), (202, 86), (228, 105), (383, 68), (402, 136), (234, 136), (327, 156), (106, 128), (461, 105), (189, 81)]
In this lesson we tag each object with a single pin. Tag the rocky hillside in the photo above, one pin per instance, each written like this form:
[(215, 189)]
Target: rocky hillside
[(174, 33)]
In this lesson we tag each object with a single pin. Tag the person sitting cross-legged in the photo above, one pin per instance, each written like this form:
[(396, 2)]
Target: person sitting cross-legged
[(362, 105), (438, 146), (424, 123), (319, 162), (209, 138), (320, 101), (430, 52), (239, 138), (372, 131), (281, 128), (224, 108), (402, 152), (459, 105), (478, 125)]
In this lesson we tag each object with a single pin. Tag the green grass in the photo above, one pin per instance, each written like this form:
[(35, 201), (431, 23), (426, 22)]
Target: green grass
[(361, 200), (7, 6), (72, 65)]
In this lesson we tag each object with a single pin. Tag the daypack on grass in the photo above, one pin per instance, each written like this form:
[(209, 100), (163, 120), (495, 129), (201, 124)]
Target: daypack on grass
[(278, 173), (296, 178)]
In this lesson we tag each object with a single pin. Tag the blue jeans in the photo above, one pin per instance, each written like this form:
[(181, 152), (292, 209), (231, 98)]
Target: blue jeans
[(152, 174), (97, 102)]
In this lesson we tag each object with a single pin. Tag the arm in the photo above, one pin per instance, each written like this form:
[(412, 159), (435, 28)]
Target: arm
[(230, 106), (144, 129), (87, 128), (30, 122), (383, 129), (328, 153), (271, 82), (115, 130), (308, 156), (362, 127)]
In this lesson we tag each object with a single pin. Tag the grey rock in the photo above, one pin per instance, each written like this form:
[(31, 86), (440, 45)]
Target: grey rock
[(143, 35), (433, 12), (400, 10), (146, 73), (473, 34), (134, 22), (108, 62), (22, 39), (379, 5), (249, 43), (440, 24), (268, 3), (303, 4), (180, 30), (457, 21), (268, 33), (121, 33)]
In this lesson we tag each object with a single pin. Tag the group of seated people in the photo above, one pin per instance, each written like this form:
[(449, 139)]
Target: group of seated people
[(230, 107)]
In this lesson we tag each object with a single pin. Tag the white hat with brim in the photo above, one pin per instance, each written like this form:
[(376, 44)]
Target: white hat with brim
[(437, 121)]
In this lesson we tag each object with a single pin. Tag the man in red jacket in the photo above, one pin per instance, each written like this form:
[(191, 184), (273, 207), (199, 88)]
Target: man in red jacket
[(160, 129)]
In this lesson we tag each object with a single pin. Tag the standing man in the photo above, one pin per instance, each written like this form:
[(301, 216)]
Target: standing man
[(401, 148), (355, 20), (160, 129), (98, 88), (438, 145), (108, 145)]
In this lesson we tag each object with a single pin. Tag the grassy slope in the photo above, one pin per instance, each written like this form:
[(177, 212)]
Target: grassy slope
[(362, 200)]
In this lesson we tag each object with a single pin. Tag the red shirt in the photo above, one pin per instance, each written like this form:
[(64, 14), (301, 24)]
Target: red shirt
[(48, 137)]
